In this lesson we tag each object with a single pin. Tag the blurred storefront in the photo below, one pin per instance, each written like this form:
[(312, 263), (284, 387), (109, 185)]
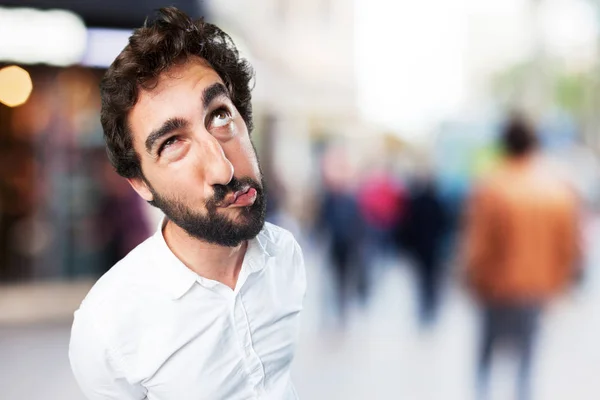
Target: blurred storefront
[(63, 210), (108, 13)]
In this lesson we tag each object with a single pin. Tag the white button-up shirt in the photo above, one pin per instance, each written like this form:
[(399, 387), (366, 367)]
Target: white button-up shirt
[(151, 328)]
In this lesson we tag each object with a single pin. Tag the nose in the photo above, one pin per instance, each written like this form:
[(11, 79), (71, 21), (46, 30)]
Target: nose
[(219, 170)]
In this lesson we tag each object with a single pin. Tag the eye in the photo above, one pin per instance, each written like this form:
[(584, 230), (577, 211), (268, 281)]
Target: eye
[(170, 141), (220, 117)]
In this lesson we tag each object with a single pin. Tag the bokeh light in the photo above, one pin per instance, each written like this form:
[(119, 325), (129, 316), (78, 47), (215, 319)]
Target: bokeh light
[(30, 36), (15, 86)]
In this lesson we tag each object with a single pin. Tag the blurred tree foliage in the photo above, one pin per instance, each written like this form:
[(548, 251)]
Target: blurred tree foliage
[(568, 90)]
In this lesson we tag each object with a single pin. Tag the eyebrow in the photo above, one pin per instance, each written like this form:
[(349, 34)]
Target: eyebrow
[(209, 94), (212, 92), (168, 127)]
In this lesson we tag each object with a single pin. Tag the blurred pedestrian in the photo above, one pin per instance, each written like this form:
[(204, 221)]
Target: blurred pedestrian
[(381, 201), (521, 249), (423, 229), (381, 198), (339, 219)]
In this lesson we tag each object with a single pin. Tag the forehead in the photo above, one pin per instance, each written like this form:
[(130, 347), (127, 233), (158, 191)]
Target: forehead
[(177, 93)]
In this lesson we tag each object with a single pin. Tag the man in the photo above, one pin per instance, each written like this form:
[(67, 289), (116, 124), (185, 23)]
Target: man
[(521, 248), (207, 308), (423, 231)]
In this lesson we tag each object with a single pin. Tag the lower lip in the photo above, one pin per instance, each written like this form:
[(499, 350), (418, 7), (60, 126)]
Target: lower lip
[(246, 199)]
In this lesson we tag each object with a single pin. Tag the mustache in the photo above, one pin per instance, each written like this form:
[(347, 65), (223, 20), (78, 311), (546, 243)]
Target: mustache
[(221, 191)]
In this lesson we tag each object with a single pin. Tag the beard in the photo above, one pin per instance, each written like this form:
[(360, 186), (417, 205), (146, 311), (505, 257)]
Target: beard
[(212, 226)]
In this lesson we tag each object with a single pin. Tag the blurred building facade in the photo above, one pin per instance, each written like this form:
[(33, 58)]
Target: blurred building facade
[(306, 93), (64, 213)]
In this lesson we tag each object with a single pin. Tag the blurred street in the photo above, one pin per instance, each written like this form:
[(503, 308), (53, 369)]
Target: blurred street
[(381, 354), (437, 161)]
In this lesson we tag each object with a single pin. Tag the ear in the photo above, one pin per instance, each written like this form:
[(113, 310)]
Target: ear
[(141, 187)]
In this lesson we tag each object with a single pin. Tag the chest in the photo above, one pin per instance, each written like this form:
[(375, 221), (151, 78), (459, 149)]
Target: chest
[(212, 345)]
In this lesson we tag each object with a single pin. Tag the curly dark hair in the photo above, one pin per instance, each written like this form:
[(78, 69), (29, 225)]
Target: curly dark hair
[(170, 39)]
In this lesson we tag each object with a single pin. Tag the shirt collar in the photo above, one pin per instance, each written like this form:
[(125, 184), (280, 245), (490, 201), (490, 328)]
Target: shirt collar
[(179, 279), (258, 253), (173, 274)]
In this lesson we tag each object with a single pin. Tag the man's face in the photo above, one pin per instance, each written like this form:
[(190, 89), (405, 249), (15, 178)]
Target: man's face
[(199, 165)]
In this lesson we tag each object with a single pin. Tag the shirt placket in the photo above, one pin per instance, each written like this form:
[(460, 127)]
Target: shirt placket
[(254, 367)]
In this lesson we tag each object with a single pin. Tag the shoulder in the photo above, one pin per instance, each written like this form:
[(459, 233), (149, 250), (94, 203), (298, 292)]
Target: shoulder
[(283, 247), (121, 275), (121, 294), (276, 235), (286, 260), (278, 241)]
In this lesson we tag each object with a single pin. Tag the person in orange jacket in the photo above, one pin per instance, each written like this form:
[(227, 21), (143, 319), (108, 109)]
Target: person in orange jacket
[(521, 248)]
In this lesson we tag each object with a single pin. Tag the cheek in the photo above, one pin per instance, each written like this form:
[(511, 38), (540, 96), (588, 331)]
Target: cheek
[(181, 181)]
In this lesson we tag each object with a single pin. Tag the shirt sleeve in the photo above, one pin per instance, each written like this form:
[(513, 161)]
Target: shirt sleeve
[(95, 366)]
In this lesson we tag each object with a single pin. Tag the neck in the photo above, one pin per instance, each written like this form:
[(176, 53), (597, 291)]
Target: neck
[(211, 261)]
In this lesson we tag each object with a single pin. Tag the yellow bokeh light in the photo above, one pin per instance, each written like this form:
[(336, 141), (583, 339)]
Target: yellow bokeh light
[(15, 86)]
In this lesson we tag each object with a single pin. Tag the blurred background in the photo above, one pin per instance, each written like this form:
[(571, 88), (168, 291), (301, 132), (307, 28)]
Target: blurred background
[(373, 121)]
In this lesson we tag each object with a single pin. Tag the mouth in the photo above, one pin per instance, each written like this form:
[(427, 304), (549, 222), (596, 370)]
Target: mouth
[(242, 198)]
